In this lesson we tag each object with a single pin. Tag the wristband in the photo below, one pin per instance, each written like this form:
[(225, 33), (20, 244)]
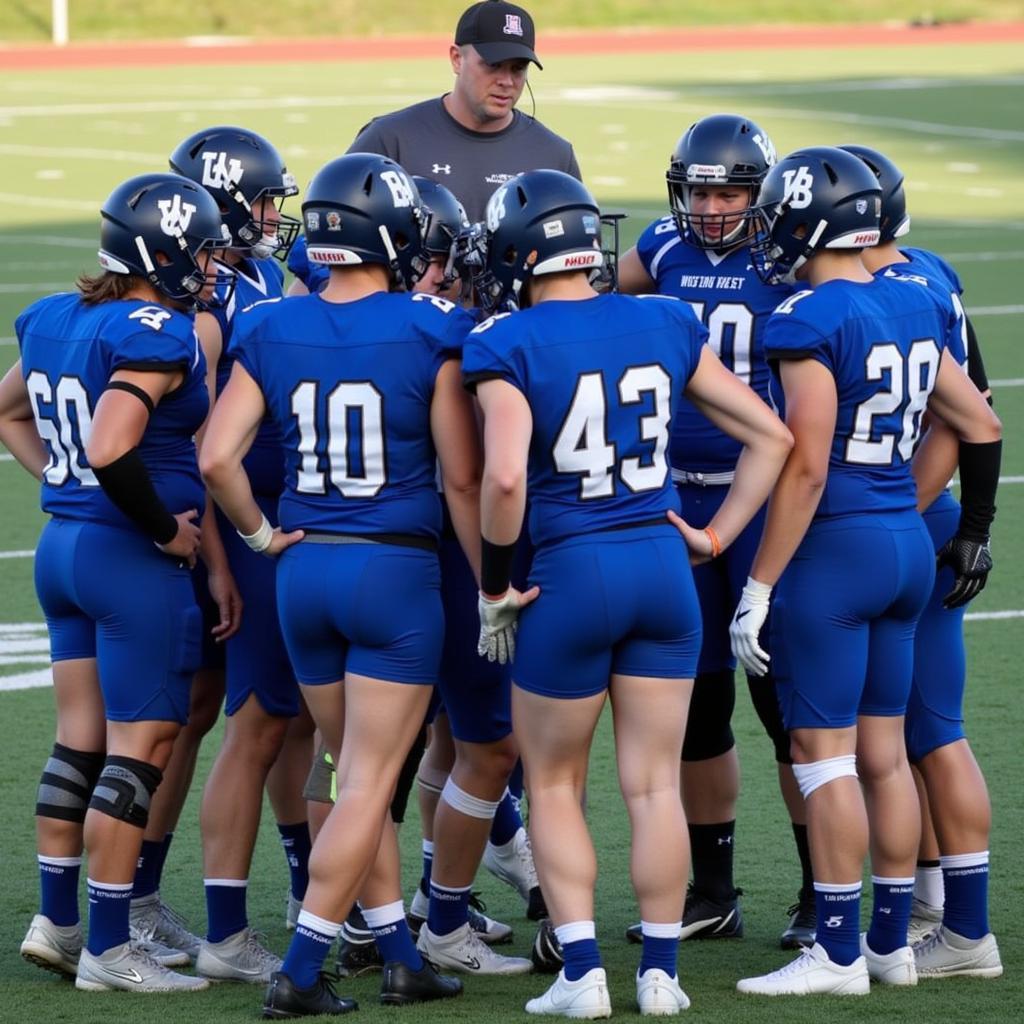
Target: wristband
[(260, 540), (716, 544), (495, 566)]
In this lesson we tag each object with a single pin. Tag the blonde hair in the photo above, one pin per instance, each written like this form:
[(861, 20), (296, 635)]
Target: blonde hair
[(105, 287)]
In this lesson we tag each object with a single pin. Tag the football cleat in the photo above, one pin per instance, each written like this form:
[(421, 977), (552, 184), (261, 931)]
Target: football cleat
[(151, 920), (53, 947), (463, 950), (585, 998), (402, 985), (803, 922), (494, 933), (924, 921), (546, 953), (284, 1001), (659, 995), (946, 955), (704, 918), (895, 968), (512, 863), (811, 973), (128, 968), (357, 958), (239, 957)]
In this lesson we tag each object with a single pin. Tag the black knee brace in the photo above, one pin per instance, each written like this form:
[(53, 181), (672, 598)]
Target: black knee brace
[(708, 732), (766, 704), (125, 788), (407, 776), (67, 783)]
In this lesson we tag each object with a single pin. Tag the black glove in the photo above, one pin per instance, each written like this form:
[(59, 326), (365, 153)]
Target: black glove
[(971, 562)]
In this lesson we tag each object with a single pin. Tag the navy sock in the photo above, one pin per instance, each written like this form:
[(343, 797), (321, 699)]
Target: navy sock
[(392, 935), (309, 948), (356, 927), (965, 877), (661, 946), (507, 821), (164, 850), (58, 888), (109, 904), (839, 921), (225, 907), (515, 782), (579, 948), (428, 863), (296, 842), (147, 872), (449, 909), (890, 914), (803, 849), (711, 852)]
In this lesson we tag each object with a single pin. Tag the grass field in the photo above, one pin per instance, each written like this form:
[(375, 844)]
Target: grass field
[(951, 116)]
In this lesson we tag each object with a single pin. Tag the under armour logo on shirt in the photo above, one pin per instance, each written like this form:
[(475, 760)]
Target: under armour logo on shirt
[(446, 168)]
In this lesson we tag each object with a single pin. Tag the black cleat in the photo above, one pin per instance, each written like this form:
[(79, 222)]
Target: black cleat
[(536, 908), (547, 950), (357, 958), (803, 923), (705, 918), (402, 985), (284, 1001)]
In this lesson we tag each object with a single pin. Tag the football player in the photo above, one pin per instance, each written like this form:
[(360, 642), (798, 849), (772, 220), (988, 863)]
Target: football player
[(859, 358), (578, 391), (363, 384), (701, 254), (956, 928), (102, 408)]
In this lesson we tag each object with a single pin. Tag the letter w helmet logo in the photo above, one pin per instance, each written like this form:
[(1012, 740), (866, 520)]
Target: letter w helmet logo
[(798, 187), (220, 172), (175, 215)]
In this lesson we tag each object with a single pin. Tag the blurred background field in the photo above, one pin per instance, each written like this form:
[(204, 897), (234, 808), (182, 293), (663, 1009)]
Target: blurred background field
[(951, 115)]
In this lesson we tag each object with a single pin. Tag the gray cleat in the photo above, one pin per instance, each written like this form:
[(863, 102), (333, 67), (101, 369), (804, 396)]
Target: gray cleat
[(152, 921), (239, 957), (946, 955), (53, 947), (128, 968)]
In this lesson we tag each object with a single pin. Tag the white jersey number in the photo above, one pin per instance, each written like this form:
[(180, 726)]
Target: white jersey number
[(910, 383), (724, 317), (70, 408), (362, 402), (582, 447)]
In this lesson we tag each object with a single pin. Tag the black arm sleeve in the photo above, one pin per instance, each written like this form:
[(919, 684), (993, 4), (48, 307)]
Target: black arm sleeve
[(975, 365), (979, 479), (127, 484), (495, 567)]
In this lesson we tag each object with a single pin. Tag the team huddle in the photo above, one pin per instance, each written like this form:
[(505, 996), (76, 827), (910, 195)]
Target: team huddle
[(471, 479)]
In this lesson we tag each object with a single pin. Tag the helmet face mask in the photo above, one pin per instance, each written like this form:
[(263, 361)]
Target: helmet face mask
[(448, 224), (815, 199), (724, 151), (242, 170), (364, 208), (159, 227), (540, 222)]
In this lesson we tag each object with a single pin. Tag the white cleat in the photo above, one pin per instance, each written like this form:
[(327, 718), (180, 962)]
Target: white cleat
[(127, 968), (659, 995), (153, 922), (924, 921), (811, 973), (512, 863), (239, 957), (895, 968), (585, 998), (53, 947), (947, 955), (463, 950), (291, 913)]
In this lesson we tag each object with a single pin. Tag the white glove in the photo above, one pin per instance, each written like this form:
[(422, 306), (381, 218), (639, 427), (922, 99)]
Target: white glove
[(498, 626), (746, 626)]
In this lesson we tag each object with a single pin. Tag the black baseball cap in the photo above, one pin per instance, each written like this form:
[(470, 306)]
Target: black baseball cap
[(499, 31)]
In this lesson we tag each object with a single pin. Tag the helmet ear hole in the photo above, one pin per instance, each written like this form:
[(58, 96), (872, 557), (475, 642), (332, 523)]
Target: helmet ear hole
[(161, 258), (509, 257), (800, 231)]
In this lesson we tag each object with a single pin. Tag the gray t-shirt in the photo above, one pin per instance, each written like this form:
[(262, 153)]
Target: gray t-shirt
[(426, 140)]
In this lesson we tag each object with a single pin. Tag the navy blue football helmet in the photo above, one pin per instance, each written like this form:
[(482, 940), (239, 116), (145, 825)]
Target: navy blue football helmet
[(240, 168), (448, 223), (539, 222), (895, 219), (364, 208), (155, 226), (816, 198), (723, 149)]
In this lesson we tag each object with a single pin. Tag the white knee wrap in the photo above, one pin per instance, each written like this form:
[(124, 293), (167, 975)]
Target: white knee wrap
[(810, 777), (468, 804)]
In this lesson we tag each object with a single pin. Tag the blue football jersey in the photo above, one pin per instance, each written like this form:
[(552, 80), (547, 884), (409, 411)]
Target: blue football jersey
[(604, 378), (255, 281), (349, 386), (882, 342), (934, 272), (730, 299), (68, 353), (313, 275)]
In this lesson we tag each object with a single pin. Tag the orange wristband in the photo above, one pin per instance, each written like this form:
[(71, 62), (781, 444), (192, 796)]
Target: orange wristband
[(716, 544)]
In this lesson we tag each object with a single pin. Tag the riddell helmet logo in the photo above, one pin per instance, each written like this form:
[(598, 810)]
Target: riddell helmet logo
[(866, 238), (587, 259)]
